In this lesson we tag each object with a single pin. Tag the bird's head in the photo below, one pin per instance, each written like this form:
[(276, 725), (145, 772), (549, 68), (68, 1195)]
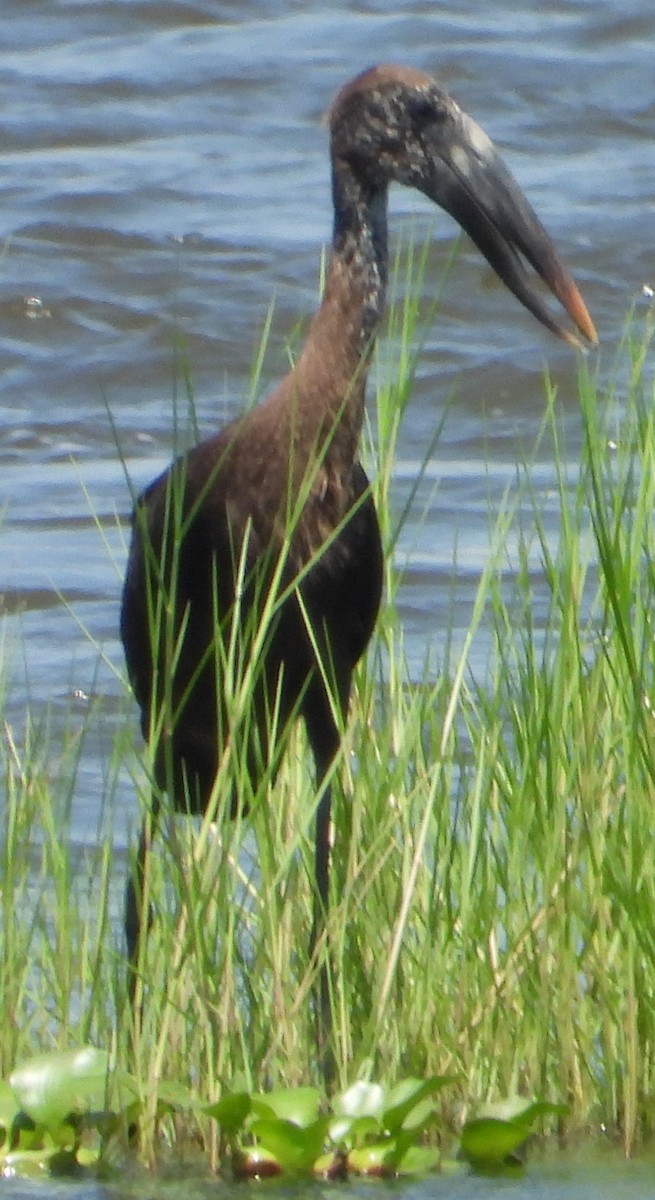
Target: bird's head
[(398, 124)]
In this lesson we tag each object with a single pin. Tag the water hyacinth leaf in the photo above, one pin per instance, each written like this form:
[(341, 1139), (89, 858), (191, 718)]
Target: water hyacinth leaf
[(25, 1133), (489, 1141), (230, 1111), (370, 1159), (419, 1117), (502, 1128), (93, 1138), (332, 1165), (397, 1148), (409, 1102), (521, 1110), (88, 1156), (255, 1163), (296, 1149), (352, 1131), (299, 1105), (340, 1128), (360, 1100), (540, 1108), (417, 1160), (51, 1087)]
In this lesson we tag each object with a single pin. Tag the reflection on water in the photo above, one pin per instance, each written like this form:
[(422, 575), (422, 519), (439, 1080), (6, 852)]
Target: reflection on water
[(165, 178)]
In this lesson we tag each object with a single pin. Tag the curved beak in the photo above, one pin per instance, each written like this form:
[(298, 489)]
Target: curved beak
[(469, 179)]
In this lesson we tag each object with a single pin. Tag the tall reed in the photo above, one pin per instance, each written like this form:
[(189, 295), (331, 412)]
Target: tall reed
[(493, 889)]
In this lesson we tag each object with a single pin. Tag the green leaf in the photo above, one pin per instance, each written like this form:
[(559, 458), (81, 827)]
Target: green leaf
[(296, 1149), (398, 1145), (330, 1166), (352, 1131), (299, 1105), (254, 1163), (540, 1108), (360, 1100), (89, 1156), (521, 1110), (230, 1111), (369, 1159), (418, 1160), (502, 1127), (487, 1140), (27, 1135), (408, 1104), (419, 1117), (51, 1087)]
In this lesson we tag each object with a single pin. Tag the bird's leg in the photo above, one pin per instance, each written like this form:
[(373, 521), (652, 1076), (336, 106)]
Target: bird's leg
[(321, 867), (324, 737), (321, 899), (324, 732), (137, 911)]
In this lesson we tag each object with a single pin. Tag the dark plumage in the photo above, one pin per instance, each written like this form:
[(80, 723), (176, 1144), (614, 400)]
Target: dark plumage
[(285, 480)]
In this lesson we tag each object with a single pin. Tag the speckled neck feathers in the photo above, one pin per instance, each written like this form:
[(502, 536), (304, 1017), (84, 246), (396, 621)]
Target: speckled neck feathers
[(326, 389), (360, 241)]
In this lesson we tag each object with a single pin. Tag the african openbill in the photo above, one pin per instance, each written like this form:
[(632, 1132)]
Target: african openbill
[(279, 498)]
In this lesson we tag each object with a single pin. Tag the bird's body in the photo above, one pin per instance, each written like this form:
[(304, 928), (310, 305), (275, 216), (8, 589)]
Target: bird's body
[(264, 497), (279, 494), (350, 567)]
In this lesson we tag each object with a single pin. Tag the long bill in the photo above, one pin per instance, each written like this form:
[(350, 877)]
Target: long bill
[(471, 182)]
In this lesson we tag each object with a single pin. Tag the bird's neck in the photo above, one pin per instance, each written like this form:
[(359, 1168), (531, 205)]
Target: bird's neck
[(327, 385), (360, 243)]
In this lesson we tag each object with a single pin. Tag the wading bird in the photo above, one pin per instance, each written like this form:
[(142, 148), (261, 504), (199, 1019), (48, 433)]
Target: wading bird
[(279, 500)]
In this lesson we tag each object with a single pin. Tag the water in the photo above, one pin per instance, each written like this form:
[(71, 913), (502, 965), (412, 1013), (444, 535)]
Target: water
[(563, 1179), (165, 175)]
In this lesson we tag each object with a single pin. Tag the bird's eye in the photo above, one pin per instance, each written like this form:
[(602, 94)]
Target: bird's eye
[(428, 110), (422, 110)]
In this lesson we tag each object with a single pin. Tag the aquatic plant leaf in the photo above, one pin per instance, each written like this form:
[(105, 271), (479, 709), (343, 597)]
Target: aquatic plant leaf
[(26, 1134), (417, 1160), (51, 1087), (331, 1166), (409, 1104), (398, 1147), (230, 1111), (361, 1100), (488, 1140), (370, 1159), (299, 1105), (296, 1149), (352, 1131), (502, 1127), (254, 1163), (419, 1117), (88, 1156), (521, 1110), (540, 1108)]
